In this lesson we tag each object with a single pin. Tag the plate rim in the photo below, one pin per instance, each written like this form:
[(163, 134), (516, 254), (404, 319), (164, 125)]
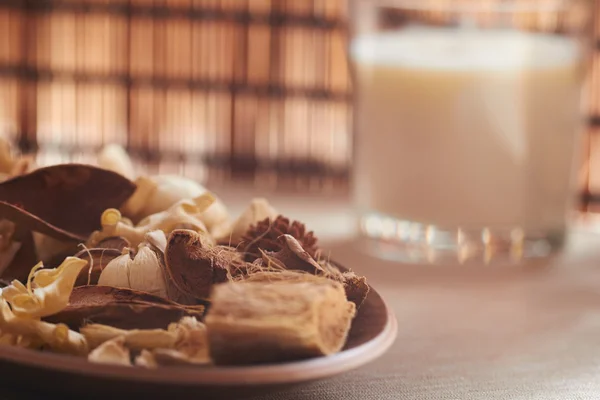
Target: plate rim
[(255, 375)]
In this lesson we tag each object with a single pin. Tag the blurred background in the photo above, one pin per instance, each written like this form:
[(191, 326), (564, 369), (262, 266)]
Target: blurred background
[(244, 92)]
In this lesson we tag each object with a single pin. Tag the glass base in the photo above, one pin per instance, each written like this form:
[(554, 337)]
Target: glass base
[(412, 242)]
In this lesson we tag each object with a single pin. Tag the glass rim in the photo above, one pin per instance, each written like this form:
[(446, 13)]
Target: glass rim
[(456, 6)]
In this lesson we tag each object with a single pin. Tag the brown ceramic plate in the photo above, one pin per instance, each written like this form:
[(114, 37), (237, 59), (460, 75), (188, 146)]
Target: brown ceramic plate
[(24, 371)]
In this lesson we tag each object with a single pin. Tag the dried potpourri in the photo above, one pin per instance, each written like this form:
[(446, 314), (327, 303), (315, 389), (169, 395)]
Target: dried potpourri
[(156, 273)]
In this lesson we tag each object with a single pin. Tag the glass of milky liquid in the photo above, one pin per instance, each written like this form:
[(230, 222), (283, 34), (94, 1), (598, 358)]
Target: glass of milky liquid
[(468, 118)]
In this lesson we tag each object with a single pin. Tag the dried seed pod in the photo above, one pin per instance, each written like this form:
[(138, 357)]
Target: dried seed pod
[(97, 259), (266, 233), (121, 308), (195, 266), (294, 257), (114, 242), (144, 272), (157, 241)]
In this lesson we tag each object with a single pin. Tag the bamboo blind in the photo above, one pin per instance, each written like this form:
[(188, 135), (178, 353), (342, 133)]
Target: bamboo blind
[(255, 89), (213, 89)]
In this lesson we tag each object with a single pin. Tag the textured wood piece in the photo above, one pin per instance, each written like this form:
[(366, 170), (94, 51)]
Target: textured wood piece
[(356, 288), (63, 201), (261, 322), (194, 267), (121, 308)]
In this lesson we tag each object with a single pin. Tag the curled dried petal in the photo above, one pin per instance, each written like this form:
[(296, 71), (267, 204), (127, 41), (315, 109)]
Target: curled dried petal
[(47, 291), (58, 337), (136, 339), (111, 352), (146, 359)]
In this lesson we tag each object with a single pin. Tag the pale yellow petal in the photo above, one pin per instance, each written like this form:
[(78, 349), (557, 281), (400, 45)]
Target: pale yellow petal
[(51, 294), (111, 352)]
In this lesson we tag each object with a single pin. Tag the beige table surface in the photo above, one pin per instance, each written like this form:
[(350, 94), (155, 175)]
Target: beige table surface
[(528, 332), (521, 332)]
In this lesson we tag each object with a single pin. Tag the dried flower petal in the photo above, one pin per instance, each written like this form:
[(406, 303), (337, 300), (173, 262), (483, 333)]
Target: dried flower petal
[(47, 291), (112, 352), (135, 339), (58, 337), (146, 359), (183, 213)]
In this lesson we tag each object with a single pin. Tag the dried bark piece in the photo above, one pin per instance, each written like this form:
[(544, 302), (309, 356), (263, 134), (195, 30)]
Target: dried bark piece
[(97, 259), (259, 322), (157, 241), (356, 288), (266, 235), (63, 201), (121, 308), (193, 266)]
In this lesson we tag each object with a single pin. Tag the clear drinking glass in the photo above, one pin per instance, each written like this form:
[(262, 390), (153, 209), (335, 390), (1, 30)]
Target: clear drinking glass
[(468, 118)]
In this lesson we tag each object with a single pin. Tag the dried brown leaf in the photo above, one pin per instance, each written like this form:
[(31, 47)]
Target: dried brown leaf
[(63, 201)]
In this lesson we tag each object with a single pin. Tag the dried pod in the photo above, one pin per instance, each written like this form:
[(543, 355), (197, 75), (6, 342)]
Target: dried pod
[(144, 272), (294, 257), (266, 233), (74, 197), (121, 308), (157, 241), (356, 288), (97, 259), (264, 322), (114, 242), (111, 352), (194, 266)]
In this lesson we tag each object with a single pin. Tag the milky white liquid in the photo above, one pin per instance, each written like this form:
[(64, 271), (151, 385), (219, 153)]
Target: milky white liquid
[(461, 129)]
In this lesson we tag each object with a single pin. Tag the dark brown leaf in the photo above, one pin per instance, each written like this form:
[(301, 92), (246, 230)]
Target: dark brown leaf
[(121, 308), (63, 201)]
